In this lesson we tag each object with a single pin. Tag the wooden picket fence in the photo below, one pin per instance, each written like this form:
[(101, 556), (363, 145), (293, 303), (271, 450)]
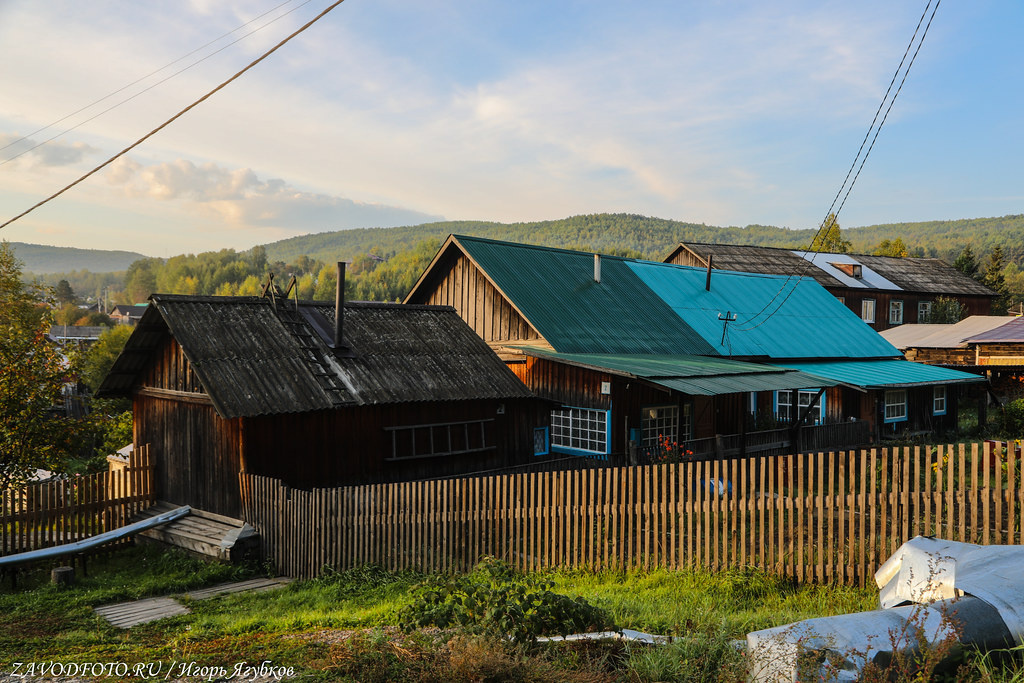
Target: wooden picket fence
[(70, 509), (822, 517)]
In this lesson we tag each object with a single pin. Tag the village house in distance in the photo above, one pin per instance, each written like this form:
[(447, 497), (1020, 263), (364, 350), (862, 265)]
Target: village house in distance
[(884, 291), (636, 351)]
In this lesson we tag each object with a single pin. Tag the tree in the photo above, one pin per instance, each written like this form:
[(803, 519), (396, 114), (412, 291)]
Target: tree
[(97, 361), (829, 238), (894, 247), (966, 262), (64, 293), (993, 278), (34, 374), (946, 310)]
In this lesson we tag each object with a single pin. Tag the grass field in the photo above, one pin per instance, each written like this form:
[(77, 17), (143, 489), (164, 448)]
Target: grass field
[(345, 626)]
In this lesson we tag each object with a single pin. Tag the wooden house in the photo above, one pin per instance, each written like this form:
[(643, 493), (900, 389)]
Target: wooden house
[(990, 345), (636, 351), (884, 291), (315, 395)]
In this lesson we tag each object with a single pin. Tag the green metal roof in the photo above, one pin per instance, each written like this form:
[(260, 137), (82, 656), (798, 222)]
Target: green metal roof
[(556, 292), (693, 375), (878, 374), (645, 307), (775, 316)]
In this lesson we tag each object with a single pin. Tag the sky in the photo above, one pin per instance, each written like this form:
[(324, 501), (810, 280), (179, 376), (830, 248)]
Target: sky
[(392, 112)]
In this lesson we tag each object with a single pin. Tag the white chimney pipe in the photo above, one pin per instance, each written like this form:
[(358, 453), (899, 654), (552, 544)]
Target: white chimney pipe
[(597, 267)]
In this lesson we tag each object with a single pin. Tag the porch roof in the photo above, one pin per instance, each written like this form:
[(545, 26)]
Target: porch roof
[(877, 374), (692, 375)]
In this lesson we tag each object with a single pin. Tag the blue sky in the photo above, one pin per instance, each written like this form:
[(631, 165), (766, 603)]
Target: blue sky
[(393, 113)]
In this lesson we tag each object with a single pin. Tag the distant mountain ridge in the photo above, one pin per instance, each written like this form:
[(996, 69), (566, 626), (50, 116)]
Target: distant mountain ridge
[(628, 234), (41, 259)]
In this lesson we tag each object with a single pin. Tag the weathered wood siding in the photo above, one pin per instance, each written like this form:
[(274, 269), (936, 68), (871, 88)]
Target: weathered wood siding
[(464, 287), (354, 445), (196, 453), (854, 298)]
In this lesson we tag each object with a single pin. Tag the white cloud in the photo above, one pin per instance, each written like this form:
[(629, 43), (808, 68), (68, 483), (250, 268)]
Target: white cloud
[(28, 152), (240, 199)]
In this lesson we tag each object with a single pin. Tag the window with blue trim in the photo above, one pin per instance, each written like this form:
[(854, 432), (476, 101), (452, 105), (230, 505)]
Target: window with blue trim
[(939, 401), (541, 443), (583, 431), (896, 405), (804, 397)]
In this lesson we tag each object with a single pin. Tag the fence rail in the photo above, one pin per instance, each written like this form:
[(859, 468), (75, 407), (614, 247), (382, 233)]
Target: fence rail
[(822, 517), (66, 510)]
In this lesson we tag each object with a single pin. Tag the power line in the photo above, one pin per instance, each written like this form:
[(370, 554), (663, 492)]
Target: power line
[(173, 118), (145, 90), (826, 223)]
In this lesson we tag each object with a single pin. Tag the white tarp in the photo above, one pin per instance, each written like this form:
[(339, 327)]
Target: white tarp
[(930, 590)]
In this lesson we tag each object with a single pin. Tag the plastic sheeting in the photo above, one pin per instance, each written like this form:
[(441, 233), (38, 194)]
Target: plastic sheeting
[(931, 591)]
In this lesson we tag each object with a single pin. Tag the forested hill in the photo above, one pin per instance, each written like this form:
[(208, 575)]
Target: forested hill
[(655, 238), (41, 259)]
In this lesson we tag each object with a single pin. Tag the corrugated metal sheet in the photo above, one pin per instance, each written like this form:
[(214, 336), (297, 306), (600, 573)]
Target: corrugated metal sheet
[(556, 292), (644, 307), (877, 374), (776, 316), (951, 336), (925, 275), (692, 375), (1010, 332), (253, 360)]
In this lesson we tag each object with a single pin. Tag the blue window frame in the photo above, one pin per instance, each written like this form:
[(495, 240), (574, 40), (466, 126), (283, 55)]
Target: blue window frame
[(541, 441), (895, 405), (939, 401), (581, 431)]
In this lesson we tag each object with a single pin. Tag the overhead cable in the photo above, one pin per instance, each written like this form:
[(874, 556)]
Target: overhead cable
[(173, 118), (847, 182), (147, 89)]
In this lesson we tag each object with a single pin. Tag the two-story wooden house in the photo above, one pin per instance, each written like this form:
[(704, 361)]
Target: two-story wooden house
[(636, 350), (884, 291)]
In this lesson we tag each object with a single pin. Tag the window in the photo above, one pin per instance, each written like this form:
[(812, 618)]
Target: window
[(440, 439), (924, 311), (540, 441), (939, 401), (867, 310), (896, 405), (659, 422), (895, 312), (580, 430), (804, 397)]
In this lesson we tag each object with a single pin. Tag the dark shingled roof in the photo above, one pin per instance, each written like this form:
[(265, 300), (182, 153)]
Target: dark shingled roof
[(926, 275), (254, 360)]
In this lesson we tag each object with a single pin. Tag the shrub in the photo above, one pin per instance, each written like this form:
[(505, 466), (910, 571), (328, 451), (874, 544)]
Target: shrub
[(495, 600)]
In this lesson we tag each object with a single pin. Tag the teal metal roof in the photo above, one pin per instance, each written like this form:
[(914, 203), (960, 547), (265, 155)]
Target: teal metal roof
[(555, 291), (878, 374), (693, 375), (776, 316), (645, 307)]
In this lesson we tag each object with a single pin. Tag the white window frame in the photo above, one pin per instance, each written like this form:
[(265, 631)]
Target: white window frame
[(895, 405), (784, 400), (924, 310), (867, 310), (939, 397), (581, 431), (896, 312), (659, 423)]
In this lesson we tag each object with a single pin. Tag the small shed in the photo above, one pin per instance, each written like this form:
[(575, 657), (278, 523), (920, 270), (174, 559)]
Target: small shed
[(315, 395)]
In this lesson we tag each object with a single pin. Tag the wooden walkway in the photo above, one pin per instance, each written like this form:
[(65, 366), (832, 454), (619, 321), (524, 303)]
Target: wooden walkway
[(128, 614)]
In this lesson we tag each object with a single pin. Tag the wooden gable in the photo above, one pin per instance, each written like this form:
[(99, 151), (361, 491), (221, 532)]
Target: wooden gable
[(454, 280)]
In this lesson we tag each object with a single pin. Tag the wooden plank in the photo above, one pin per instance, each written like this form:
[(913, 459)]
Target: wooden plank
[(986, 509)]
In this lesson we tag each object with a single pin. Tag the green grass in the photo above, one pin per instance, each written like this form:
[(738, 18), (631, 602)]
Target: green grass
[(343, 626)]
